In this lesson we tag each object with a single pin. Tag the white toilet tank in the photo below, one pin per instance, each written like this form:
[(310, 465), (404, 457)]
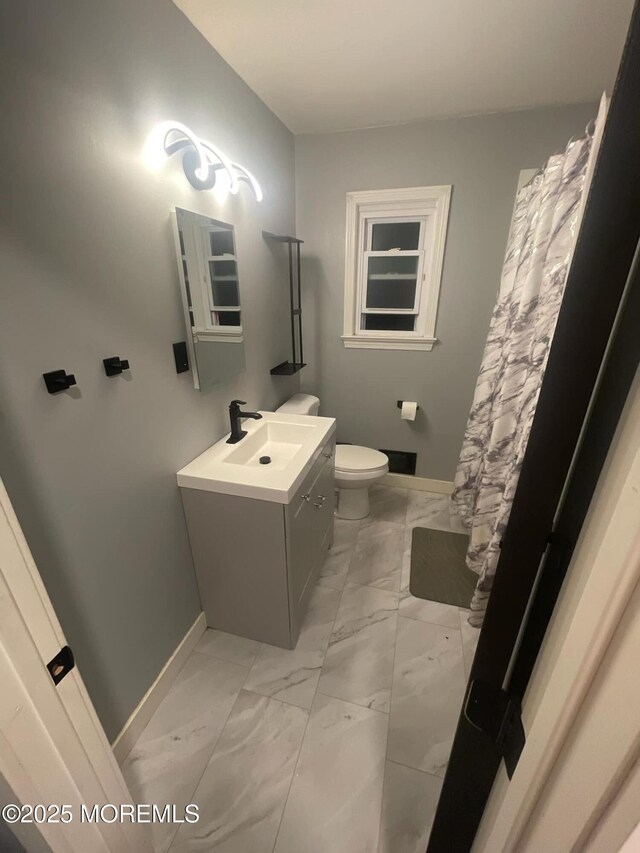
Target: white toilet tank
[(300, 404)]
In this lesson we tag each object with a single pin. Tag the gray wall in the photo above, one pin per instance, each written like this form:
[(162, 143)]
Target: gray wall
[(87, 270), (481, 157)]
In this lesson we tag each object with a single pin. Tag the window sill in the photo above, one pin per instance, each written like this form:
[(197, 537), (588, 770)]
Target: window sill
[(360, 342), (222, 337)]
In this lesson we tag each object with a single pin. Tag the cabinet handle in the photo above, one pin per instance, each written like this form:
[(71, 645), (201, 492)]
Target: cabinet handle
[(322, 499), (328, 455), (317, 506), (306, 497)]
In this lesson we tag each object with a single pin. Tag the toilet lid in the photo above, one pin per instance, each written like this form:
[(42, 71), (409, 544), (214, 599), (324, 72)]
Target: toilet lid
[(352, 457)]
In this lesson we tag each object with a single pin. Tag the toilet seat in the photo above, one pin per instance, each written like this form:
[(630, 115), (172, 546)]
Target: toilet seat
[(354, 459)]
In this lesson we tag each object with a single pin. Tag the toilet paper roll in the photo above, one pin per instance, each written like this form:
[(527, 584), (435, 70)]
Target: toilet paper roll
[(408, 410)]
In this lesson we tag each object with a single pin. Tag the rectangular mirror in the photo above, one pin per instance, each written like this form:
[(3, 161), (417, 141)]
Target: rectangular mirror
[(210, 293)]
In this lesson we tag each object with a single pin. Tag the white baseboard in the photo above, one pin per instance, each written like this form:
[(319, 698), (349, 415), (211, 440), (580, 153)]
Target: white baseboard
[(134, 726), (421, 484)]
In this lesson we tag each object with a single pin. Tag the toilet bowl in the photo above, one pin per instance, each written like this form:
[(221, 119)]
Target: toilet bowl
[(356, 468)]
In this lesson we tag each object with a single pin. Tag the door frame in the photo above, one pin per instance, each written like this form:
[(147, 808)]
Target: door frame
[(53, 749), (599, 273), (581, 695)]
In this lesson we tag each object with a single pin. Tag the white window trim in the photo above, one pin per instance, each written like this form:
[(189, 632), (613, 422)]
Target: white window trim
[(408, 201)]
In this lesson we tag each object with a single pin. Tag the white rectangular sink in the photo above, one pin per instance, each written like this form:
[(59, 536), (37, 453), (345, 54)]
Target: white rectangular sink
[(274, 440), (291, 443)]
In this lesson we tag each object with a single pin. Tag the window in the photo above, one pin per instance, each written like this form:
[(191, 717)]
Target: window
[(394, 254)]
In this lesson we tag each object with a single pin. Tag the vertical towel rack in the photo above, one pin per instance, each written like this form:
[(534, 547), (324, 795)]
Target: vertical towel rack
[(287, 368)]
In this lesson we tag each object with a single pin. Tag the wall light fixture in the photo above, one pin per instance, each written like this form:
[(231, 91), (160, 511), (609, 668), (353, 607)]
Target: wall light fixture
[(201, 160)]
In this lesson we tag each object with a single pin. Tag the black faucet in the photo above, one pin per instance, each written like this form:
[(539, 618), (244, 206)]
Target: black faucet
[(235, 415)]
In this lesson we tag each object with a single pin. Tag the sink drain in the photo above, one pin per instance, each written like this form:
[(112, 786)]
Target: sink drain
[(265, 460)]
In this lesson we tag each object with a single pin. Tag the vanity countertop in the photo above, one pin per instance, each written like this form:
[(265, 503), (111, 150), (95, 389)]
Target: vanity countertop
[(292, 443)]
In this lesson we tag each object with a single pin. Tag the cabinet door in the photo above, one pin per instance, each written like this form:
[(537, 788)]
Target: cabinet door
[(300, 557), (309, 522), (323, 503)]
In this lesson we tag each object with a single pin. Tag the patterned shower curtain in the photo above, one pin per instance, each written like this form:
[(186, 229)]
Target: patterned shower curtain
[(543, 233)]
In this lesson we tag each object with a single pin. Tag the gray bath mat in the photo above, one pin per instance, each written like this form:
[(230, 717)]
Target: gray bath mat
[(438, 567)]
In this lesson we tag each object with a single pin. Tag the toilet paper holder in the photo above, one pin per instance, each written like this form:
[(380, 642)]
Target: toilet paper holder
[(400, 402)]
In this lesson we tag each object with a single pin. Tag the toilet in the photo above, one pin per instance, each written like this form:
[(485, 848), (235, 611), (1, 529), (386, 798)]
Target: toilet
[(356, 467)]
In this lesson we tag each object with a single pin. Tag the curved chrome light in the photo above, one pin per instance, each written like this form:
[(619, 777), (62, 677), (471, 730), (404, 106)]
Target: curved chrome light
[(201, 160)]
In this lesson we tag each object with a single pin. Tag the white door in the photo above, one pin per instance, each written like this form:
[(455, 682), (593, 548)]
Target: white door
[(53, 750)]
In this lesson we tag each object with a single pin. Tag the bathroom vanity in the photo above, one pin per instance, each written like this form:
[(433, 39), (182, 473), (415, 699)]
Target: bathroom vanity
[(259, 531)]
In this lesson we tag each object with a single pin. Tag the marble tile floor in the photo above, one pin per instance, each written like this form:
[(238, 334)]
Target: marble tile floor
[(338, 746)]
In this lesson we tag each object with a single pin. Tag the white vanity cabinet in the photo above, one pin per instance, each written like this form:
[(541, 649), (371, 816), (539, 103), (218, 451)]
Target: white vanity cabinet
[(257, 560)]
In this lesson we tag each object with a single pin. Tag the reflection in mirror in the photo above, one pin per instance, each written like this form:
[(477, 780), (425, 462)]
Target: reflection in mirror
[(210, 292)]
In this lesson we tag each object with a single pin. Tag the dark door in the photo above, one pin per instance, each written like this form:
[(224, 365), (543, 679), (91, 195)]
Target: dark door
[(580, 403)]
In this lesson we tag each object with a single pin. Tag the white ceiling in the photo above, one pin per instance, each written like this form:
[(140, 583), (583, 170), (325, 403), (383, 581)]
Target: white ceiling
[(324, 65)]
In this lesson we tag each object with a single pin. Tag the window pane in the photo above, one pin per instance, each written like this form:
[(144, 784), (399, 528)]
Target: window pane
[(388, 322), (228, 318), (224, 282), (223, 269), (395, 235), (391, 294), (225, 293), (221, 242), (393, 265), (391, 282)]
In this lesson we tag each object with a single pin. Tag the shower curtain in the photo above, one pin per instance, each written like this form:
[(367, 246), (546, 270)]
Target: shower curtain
[(541, 241)]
